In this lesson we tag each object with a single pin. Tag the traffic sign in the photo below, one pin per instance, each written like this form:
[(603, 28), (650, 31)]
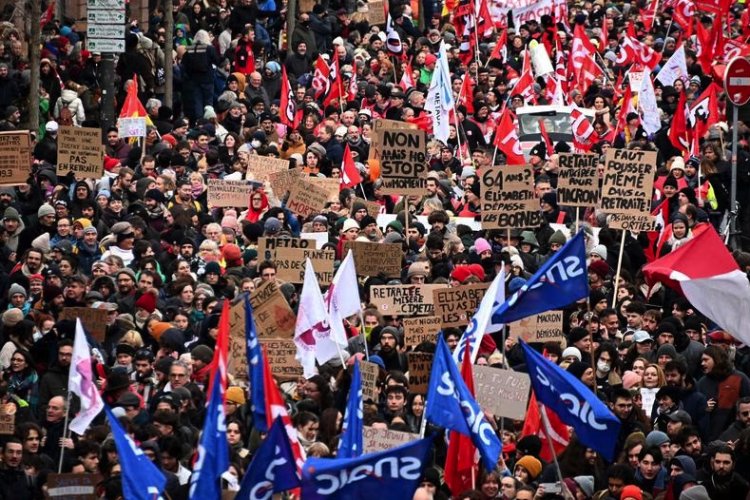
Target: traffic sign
[(106, 45), (105, 31), (106, 4), (106, 16), (737, 81)]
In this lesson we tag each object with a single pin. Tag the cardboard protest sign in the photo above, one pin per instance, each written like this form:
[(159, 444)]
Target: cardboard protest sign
[(420, 364), (331, 185), (15, 157), (628, 188), (281, 357), (504, 393), (273, 316), (455, 306), (267, 246), (306, 199), (371, 259), (402, 161), (404, 300), (290, 264), (422, 329), (73, 486), (376, 137), (93, 320), (370, 373), (375, 12), (79, 150), (542, 327), (306, 5), (226, 193), (374, 440), (7, 419), (508, 198), (577, 181), (373, 207), (259, 168), (237, 360), (283, 180)]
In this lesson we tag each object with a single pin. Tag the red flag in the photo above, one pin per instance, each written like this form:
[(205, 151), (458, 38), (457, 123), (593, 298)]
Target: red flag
[(604, 36), (705, 111), (648, 15), (288, 113), (706, 42), (506, 140), (407, 79), (678, 135), (460, 462), (580, 50), (321, 78), (501, 47), (545, 138), (525, 84), (48, 15), (533, 426), (584, 135), (465, 97), (484, 20), (589, 71), (633, 51), (336, 90), (221, 352), (275, 406), (625, 108), (349, 173), (423, 121), (132, 107)]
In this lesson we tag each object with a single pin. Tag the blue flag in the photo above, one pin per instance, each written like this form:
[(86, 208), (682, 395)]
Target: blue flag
[(350, 444), (574, 403), (141, 479), (255, 369), (213, 449), (272, 469), (387, 474), (451, 405), (563, 279)]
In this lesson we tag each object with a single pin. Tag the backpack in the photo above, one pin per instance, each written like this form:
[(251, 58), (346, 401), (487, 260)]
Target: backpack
[(66, 116), (157, 69)]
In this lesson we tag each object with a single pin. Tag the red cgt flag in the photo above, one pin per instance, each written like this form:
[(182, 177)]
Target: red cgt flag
[(349, 173), (506, 140)]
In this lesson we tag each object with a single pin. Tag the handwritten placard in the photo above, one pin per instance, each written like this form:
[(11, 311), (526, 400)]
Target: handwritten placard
[(267, 246), (577, 182), (422, 329), (94, 320), (273, 316), (504, 393), (283, 180), (7, 419), (628, 188), (291, 263), (371, 259), (131, 127), (79, 150), (376, 139), (370, 373), (306, 199), (508, 198), (402, 164), (228, 193), (455, 306), (375, 12), (259, 168), (237, 360), (281, 358), (404, 300), (542, 327), (384, 439), (420, 365), (15, 157), (330, 185), (73, 486)]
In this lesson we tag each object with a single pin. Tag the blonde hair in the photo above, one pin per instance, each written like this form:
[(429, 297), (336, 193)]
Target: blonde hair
[(132, 338)]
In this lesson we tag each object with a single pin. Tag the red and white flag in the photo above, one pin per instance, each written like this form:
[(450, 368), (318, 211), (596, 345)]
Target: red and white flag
[(534, 426), (501, 47), (321, 78), (633, 51), (584, 135), (336, 89), (275, 407), (506, 140), (81, 383), (288, 113), (350, 176), (221, 352), (709, 277), (407, 79), (461, 459), (312, 322), (466, 95)]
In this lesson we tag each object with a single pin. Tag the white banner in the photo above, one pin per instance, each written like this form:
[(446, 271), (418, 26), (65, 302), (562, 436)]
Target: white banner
[(674, 68), (535, 11), (132, 127), (649, 109)]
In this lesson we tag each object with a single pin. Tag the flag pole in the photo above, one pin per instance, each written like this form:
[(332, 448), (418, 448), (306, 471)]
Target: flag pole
[(364, 335), (619, 268), (363, 190), (65, 432), (548, 433), (423, 425)]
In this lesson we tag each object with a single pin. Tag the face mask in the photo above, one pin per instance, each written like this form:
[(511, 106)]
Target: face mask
[(255, 143), (603, 366)]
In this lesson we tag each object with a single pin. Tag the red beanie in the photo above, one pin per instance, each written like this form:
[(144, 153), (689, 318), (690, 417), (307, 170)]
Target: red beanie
[(231, 253), (147, 302), (477, 270), (110, 163), (460, 273)]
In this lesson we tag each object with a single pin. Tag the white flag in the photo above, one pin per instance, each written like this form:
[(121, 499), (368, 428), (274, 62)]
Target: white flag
[(81, 382), (481, 322), (648, 107), (312, 321), (342, 299), (674, 68), (440, 97)]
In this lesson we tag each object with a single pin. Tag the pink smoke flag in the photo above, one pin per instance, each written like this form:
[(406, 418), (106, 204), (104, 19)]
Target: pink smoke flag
[(707, 274), (312, 323), (81, 383)]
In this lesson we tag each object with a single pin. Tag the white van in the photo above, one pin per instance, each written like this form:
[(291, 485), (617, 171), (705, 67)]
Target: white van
[(556, 121)]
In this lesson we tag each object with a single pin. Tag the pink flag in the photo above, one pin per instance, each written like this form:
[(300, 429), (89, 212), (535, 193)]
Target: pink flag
[(81, 383)]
